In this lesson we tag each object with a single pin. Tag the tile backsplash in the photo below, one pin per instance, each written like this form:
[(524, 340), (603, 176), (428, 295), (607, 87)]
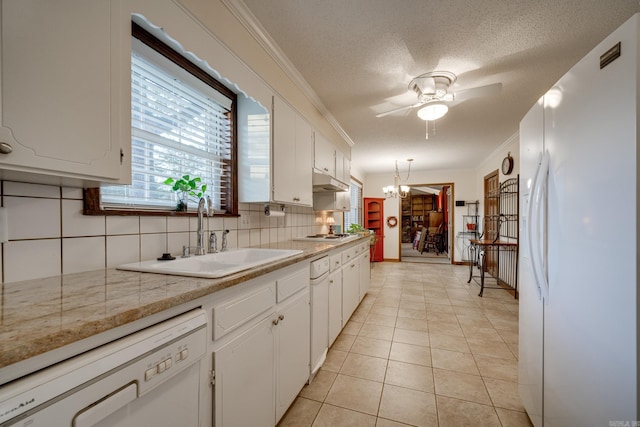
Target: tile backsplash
[(49, 235)]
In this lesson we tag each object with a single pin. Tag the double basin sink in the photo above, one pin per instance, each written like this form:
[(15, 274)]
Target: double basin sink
[(214, 265)]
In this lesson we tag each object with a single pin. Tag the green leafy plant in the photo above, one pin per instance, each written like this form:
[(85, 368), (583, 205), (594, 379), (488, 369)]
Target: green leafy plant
[(355, 228), (186, 187)]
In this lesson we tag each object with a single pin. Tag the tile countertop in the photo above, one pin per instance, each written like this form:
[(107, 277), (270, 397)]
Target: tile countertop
[(38, 316)]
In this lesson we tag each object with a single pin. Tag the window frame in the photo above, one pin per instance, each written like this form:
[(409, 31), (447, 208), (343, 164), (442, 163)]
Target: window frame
[(91, 196), (360, 219)]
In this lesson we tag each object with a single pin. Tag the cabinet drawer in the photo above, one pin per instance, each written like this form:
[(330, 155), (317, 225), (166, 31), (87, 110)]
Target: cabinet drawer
[(335, 261), (231, 314), (292, 283), (349, 254)]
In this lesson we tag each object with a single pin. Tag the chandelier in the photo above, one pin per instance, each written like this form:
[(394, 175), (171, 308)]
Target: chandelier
[(396, 190)]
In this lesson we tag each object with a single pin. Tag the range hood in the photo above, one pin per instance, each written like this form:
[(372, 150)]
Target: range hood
[(323, 182)]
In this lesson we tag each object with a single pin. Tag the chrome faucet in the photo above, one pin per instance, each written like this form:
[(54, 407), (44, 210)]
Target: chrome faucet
[(224, 240), (200, 248)]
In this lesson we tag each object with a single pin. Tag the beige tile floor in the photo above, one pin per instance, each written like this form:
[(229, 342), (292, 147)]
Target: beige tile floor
[(422, 349)]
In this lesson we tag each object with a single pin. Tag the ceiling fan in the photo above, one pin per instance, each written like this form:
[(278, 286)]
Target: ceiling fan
[(433, 87)]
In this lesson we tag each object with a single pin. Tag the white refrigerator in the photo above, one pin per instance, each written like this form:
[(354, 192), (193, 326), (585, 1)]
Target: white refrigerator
[(578, 345)]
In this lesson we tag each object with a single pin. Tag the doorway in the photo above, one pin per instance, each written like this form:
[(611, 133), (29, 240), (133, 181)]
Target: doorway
[(490, 223), (427, 211)]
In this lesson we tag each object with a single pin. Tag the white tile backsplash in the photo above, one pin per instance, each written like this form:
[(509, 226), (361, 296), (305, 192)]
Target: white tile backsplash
[(177, 224), (31, 259), (49, 235), (123, 225), (83, 254), (122, 250), (11, 188), (153, 224), (72, 193), (32, 218), (74, 223), (152, 245)]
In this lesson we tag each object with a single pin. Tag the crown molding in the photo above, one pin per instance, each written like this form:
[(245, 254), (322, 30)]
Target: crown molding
[(255, 28)]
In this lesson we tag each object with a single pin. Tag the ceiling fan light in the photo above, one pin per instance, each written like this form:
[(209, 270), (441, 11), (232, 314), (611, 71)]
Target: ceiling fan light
[(432, 111)]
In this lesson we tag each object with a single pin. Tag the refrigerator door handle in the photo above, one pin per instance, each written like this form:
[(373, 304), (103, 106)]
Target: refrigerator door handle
[(537, 204)]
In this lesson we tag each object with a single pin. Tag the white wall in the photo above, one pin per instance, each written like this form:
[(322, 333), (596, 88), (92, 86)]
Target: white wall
[(493, 162)]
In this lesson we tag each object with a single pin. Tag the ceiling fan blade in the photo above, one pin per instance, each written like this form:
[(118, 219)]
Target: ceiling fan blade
[(488, 90), (395, 110)]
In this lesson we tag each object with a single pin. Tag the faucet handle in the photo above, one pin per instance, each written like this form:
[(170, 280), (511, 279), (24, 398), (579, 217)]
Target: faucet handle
[(224, 240), (213, 242), (209, 206)]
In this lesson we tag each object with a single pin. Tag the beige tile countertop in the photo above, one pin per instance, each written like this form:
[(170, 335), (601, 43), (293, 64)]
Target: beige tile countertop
[(38, 316)]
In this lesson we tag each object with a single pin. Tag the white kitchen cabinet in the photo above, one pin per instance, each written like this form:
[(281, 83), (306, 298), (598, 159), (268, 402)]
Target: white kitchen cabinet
[(65, 97), (292, 138), (324, 155), (335, 304), (343, 167), (350, 284), (332, 201), (244, 375), (365, 269), (292, 350), (261, 348), (274, 154)]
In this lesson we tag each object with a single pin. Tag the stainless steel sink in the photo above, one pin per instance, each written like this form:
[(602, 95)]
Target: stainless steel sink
[(213, 265)]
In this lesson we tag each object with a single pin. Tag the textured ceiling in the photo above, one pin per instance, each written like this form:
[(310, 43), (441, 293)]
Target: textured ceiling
[(358, 56)]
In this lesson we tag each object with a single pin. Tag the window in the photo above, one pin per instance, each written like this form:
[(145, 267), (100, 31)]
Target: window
[(182, 124), (354, 216)]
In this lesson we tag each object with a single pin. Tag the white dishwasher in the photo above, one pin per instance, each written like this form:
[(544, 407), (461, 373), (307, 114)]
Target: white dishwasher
[(149, 378), (319, 313)]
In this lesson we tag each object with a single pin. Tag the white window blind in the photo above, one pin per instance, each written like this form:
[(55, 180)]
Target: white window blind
[(180, 126), (355, 214)]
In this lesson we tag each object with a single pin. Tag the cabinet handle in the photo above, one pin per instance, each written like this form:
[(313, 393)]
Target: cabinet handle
[(281, 317), (296, 199), (5, 148), (275, 322)]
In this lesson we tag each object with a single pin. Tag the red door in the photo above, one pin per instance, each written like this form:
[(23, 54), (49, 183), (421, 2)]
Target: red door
[(373, 220)]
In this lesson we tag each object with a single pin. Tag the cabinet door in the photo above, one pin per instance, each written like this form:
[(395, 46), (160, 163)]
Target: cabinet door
[(324, 155), (350, 289), (284, 152), (343, 167), (335, 305), (292, 351), (365, 273), (66, 88), (245, 375), (303, 162), (291, 156)]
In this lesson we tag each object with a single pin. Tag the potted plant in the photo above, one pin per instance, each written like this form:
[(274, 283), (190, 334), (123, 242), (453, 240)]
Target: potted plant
[(186, 187), (357, 229)]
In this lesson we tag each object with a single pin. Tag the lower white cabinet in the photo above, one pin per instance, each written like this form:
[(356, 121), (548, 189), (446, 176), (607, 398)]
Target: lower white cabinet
[(350, 288), (244, 378), (365, 269), (262, 365), (292, 351), (335, 305)]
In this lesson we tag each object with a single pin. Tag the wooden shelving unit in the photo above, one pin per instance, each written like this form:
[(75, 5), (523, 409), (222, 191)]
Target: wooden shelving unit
[(374, 220)]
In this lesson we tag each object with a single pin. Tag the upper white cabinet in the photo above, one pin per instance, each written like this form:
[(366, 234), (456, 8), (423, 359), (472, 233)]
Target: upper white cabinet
[(292, 138), (343, 167), (324, 155), (65, 89), (275, 154)]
